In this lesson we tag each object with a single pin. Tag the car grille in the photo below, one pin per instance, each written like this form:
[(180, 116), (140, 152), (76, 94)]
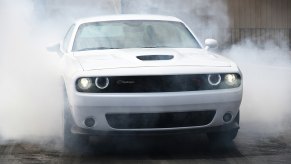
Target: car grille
[(159, 120), (156, 83), (167, 83)]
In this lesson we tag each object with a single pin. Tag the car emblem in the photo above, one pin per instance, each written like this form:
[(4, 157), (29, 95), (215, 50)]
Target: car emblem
[(125, 82)]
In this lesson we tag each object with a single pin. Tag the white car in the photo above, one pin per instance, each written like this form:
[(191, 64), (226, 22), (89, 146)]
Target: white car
[(145, 75)]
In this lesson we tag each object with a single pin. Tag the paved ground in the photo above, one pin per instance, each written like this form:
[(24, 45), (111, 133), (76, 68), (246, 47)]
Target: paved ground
[(253, 145)]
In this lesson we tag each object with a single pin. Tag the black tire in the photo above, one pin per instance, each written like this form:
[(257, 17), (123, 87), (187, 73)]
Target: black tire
[(73, 143), (224, 137)]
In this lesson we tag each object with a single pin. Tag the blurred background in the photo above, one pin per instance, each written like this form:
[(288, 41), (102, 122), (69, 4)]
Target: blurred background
[(228, 21)]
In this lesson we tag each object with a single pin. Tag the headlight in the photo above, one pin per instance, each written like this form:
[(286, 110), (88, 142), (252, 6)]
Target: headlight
[(102, 82), (231, 79), (84, 83), (214, 79)]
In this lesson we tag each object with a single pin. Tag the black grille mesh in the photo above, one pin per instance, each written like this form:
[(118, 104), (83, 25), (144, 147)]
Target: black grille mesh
[(160, 120)]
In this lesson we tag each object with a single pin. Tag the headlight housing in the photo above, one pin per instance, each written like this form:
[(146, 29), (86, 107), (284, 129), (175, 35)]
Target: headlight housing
[(92, 84), (224, 81)]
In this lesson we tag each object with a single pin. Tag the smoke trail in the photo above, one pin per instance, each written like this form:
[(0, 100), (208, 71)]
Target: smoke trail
[(267, 90), (30, 93), (30, 83)]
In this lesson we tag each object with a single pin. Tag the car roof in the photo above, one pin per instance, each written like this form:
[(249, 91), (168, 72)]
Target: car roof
[(127, 17)]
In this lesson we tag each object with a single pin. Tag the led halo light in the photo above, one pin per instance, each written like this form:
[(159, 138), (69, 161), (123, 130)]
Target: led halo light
[(102, 82), (84, 83), (214, 82), (231, 79)]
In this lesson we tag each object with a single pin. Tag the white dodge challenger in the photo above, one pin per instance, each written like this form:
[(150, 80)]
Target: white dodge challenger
[(145, 75)]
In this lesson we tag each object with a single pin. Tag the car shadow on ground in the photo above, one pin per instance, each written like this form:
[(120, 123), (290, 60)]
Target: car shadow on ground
[(158, 147)]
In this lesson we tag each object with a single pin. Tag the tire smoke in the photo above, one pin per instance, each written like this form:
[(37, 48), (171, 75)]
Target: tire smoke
[(266, 70), (31, 103)]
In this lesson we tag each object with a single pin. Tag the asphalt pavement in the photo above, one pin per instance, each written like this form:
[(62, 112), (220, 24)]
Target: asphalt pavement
[(255, 143)]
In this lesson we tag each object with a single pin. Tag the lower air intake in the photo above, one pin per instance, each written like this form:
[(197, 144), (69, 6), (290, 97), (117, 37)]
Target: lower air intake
[(159, 120)]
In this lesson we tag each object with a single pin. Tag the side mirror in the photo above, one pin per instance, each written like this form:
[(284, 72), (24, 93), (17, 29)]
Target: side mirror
[(211, 44), (56, 48)]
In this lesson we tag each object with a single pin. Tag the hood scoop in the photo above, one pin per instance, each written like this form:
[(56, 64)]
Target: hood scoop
[(155, 57)]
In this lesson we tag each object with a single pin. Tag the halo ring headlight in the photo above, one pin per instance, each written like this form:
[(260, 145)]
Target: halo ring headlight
[(102, 82), (214, 79)]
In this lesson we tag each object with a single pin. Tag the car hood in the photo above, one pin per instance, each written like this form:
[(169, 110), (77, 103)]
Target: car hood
[(128, 58)]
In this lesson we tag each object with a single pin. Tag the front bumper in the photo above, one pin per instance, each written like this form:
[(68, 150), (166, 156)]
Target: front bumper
[(88, 105), (230, 126)]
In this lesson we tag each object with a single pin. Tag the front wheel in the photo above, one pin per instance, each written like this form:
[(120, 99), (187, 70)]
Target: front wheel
[(72, 142), (224, 136)]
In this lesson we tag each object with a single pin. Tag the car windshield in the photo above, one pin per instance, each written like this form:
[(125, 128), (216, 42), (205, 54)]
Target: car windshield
[(133, 34)]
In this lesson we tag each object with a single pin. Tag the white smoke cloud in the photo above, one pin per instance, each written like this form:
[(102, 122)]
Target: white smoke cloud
[(30, 90), (267, 89)]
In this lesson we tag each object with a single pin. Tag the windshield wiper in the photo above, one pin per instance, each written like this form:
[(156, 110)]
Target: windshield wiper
[(156, 47), (97, 48)]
